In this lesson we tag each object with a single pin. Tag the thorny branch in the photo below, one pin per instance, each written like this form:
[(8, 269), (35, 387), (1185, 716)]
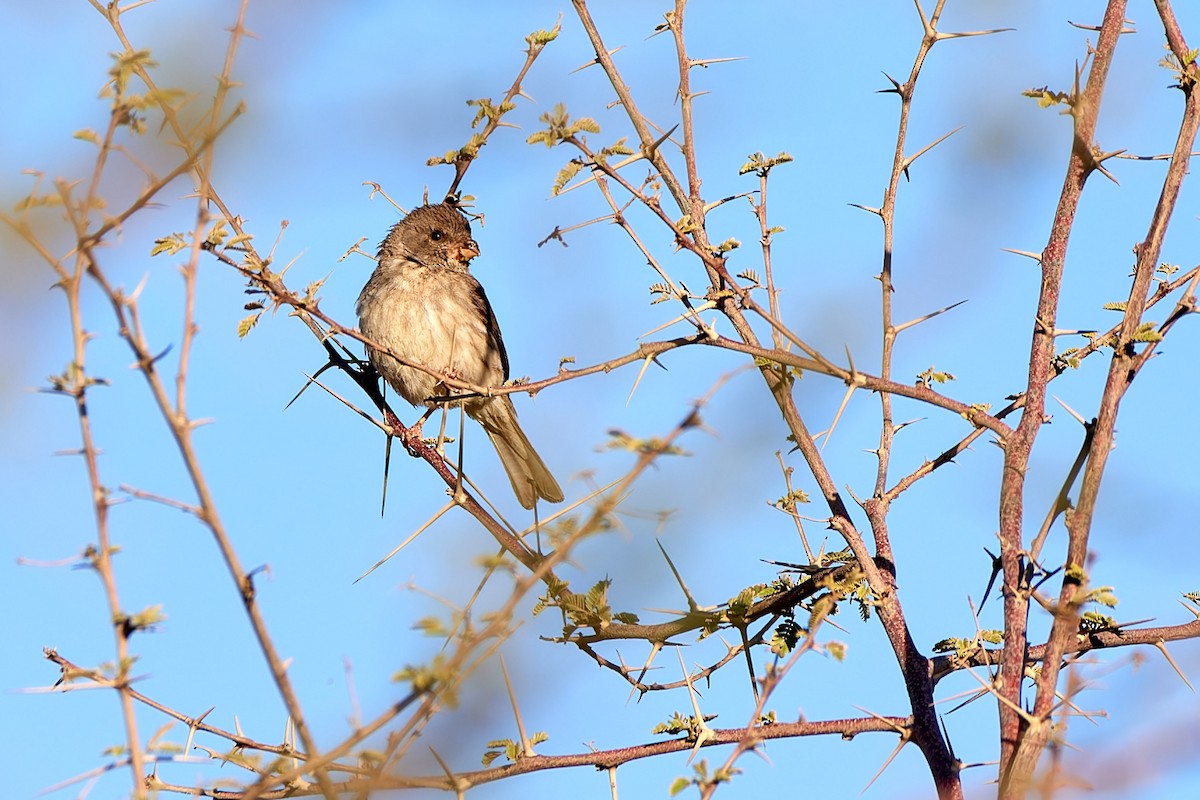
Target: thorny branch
[(1023, 736), (1124, 367)]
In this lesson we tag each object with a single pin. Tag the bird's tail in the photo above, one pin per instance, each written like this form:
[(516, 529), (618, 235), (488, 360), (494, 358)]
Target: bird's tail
[(529, 475)]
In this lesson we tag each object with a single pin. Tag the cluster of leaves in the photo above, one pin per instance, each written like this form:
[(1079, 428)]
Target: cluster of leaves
[(513, 751), (932, 376), (683, 723), (560, 128), (1047, 98), (789, 373), (836, 586), (736, 612), (761, 165), (702, 777), (1092, 622), (148, 619), (437, 676), (792, 499), (965, 648), (1065, 360), (130, 107), (1183, 70), (846, 583), (573, 167), (587, 610), (219, 237)]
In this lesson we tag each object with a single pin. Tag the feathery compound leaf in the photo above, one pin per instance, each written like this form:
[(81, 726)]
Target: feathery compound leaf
[(1167, 269), (1067, 359), (169, 244), (787, 634), (845, 556), (541, 37), (560, 128), (247, 324), (929, 376), (617, 148), (678, 723), (217, 234), (1172, 63), (1147, 332), (585, 124), (488, 111), (598, 594), (661, 293), (1047, 98), (124, 66), (789, 501), (760, 164), (976, 408), (565, 175), (1091, 622)]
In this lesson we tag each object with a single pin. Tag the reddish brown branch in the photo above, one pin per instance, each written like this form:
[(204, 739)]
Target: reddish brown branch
[(1085, 111), (604, 759), (941, 666), (1123, 369)]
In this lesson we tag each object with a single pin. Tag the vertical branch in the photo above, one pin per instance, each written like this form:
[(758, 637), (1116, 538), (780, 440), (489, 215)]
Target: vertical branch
[(887, 213), (101, 558), (204, 192), (175, 414), (645, 138), (927, 733), (76, 383), (1016, 589), (675, 20), (760, 211), (1125, 364), (462, 159)]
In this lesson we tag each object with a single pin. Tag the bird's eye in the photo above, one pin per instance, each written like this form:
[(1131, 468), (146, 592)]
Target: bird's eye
[(437, 236)]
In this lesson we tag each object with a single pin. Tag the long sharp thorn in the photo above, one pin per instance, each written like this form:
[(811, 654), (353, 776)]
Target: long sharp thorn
[(387, 461), (652, 149)]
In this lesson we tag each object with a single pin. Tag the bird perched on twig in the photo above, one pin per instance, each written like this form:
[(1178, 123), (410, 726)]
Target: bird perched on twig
[(423, 305)]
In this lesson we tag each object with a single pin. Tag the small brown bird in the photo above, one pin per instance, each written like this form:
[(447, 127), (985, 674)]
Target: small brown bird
[(423, 304)]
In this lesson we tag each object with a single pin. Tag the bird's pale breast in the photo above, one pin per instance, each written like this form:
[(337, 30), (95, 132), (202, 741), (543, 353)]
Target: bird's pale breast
[(426, 315)]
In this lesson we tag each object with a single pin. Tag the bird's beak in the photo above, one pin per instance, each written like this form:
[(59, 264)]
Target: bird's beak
[(468, 251)]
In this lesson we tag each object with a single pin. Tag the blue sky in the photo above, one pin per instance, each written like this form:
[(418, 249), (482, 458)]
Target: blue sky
[(339, 94)]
